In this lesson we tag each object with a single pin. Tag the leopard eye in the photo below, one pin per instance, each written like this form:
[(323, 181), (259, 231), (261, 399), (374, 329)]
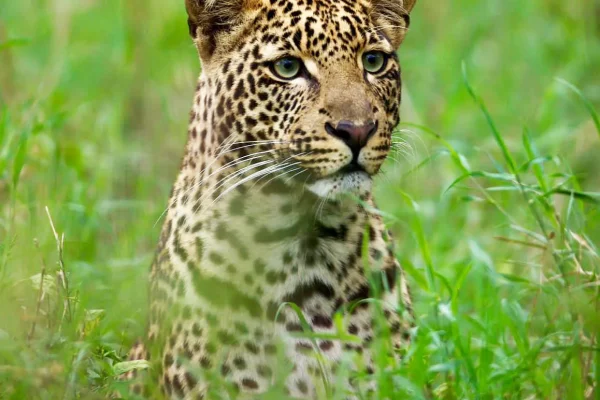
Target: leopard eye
[(374, 61), (287, 67)]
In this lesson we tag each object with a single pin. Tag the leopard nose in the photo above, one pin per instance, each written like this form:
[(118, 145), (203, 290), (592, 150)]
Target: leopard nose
[(354, 135)]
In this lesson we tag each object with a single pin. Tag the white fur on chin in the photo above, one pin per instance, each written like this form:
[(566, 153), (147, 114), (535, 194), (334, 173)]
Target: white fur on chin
[(357, 183)]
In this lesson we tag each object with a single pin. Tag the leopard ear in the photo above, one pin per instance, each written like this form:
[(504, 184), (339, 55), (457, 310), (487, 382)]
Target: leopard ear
[(393, 18), (207, 19)]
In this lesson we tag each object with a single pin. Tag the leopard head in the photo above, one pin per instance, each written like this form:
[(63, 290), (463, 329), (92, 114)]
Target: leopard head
[(315, 84)]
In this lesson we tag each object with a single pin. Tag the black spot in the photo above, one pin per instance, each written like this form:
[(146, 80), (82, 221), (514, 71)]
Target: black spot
[(259, 267), (239, 363), (303, 347), (326, 232), (353, 329), (251, 347), (322, 321), (226, 338), (302, 387), (168, 360), (205, 362), (270, 349), (199, 249), (272, 277), (293, 327), (265, 371), (287, 258), (236, 206), (180, 251), (372, 233), (196, 329), (225, 369), (229, 81), (250, 122), (168, 386), (239, 90), (302, 293), (361, 293), (249, 384), (326, 345), (286, 209), (178, 386), (190, 380), (216, 258)]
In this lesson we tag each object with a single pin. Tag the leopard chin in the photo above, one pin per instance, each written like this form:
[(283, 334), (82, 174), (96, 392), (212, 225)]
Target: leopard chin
[(357, 183)]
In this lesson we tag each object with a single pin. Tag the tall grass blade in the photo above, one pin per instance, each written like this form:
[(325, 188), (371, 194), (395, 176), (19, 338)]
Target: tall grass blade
[(586, 102), (497, 136)]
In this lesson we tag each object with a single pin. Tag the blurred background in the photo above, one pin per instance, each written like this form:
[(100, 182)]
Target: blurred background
[(94, 103)]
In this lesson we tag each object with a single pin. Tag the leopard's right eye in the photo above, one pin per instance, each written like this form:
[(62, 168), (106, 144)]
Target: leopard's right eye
[(374, 61), (287, 68)]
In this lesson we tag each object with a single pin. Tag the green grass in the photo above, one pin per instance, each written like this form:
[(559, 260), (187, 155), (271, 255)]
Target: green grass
[(495, 209)]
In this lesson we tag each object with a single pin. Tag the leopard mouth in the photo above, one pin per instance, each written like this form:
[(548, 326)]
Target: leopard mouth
[(351, 180), (352, 168)]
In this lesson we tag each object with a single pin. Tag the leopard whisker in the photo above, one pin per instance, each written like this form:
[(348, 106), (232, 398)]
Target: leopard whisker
[(412, 135), (279, 163), (228, 143), (407, 152), (230, 150), (240, 160), (402, 147), (295, 175), (321, 206), (301, 169), (393, 159), (247, 158), (266, 171), (277, 176), (218, 185), (296, 156), (231, 143), (288, 165)]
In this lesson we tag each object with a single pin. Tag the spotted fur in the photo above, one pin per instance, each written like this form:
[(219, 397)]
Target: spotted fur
[(264, 209)]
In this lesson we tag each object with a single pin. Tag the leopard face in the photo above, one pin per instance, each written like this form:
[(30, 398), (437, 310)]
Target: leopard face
[(317, 83)]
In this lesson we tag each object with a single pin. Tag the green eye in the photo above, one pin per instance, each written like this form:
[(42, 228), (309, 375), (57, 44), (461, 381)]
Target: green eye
[(374, 61), (287, 67)]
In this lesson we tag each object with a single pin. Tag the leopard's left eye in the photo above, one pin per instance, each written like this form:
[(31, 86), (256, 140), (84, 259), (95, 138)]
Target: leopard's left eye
[(287, 68), (374, 61)]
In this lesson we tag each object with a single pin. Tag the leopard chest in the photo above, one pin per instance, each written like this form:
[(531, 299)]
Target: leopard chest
[(228, 278), (270, 256)]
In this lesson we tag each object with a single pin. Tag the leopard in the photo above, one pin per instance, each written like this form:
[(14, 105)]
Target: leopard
[(273, 252)]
